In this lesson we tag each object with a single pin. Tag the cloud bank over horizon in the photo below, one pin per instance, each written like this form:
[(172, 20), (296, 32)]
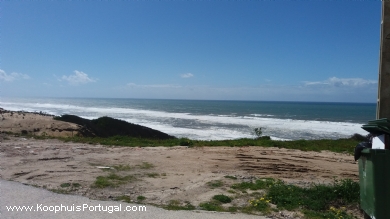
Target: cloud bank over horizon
[(343, 82)]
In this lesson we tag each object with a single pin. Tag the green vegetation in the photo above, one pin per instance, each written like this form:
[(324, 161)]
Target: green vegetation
[(122, 167), (316, 198), (146, 165), (64, 185), (66, 188), (222, 198), (141, 198), (338, 145), (316, 201), (112, 180), (211, 206), (258, 132), (260, 204), (215, 183), (231, 177), (258, 184), (153, 175)]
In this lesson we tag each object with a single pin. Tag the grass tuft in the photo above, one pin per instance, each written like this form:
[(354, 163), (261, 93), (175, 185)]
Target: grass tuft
[(215, 183)]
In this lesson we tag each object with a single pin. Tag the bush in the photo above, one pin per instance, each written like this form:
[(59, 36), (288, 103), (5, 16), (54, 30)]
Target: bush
[(186, 142), (222, 198)]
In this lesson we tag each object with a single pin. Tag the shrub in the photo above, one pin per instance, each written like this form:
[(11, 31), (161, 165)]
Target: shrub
[(222, 198)]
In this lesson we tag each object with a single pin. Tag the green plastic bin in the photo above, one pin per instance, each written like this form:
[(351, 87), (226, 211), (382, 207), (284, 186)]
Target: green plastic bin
[(374, 177)]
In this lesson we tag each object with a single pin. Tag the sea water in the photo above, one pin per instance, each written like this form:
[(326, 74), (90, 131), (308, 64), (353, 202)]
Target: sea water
[(215, 120)]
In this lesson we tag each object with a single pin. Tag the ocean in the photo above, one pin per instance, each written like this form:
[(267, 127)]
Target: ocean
[(215, 120)]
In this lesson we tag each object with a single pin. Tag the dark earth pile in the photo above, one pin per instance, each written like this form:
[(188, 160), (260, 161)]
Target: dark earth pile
[(107, 127)]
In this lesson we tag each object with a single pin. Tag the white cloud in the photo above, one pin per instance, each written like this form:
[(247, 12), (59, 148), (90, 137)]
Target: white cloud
[(187, 75), (78, 77), (12, 77), (133, 85), (342, 82)]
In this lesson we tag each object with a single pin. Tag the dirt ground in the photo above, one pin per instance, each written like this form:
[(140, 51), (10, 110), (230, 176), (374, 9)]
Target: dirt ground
[(160, 174)]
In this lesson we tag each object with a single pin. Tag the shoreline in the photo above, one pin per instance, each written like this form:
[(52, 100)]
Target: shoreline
[(208, 121)]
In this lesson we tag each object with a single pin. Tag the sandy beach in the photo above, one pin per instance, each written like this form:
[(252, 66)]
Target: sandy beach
[(159, 174)]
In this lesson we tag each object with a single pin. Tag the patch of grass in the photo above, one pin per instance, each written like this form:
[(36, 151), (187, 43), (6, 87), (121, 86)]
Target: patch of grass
[(211, 206), (332, 213), (65, 185), (232, 209), (258, 184), (231, 177), (185, 142), (259, 204), (317, 197), (60, 191), (121, 167), (153, 175), (337, 145), (76, 185), (70, 186), (222, 198), (141, 198), (215, 183), (112, 180), (146, 165)]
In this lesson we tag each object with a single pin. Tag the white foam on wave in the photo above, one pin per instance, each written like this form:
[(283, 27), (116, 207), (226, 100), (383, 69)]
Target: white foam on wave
[(279, 128)]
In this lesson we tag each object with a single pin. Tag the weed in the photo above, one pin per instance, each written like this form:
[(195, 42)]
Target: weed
[(317, 198), (232, 209), (146, 165), (60, 191), (215, 183), (122, 167), (141, 198), (111, 180), (231, 177), (64, 185), (76, 185), (260, 204), (258, 184), (338, 145), (211, 206), (258, 132), (222, 198), (186, 142), (152, 175)]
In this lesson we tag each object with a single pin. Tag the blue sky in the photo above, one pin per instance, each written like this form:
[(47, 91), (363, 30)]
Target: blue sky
[(225, 50)]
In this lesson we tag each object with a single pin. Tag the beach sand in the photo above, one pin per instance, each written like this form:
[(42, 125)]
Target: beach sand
[(160, 174)]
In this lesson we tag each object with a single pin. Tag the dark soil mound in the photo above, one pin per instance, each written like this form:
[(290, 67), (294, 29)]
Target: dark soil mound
[(107, 127)]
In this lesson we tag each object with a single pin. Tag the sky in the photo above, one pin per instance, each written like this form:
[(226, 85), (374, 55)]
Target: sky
[(325, 51)]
